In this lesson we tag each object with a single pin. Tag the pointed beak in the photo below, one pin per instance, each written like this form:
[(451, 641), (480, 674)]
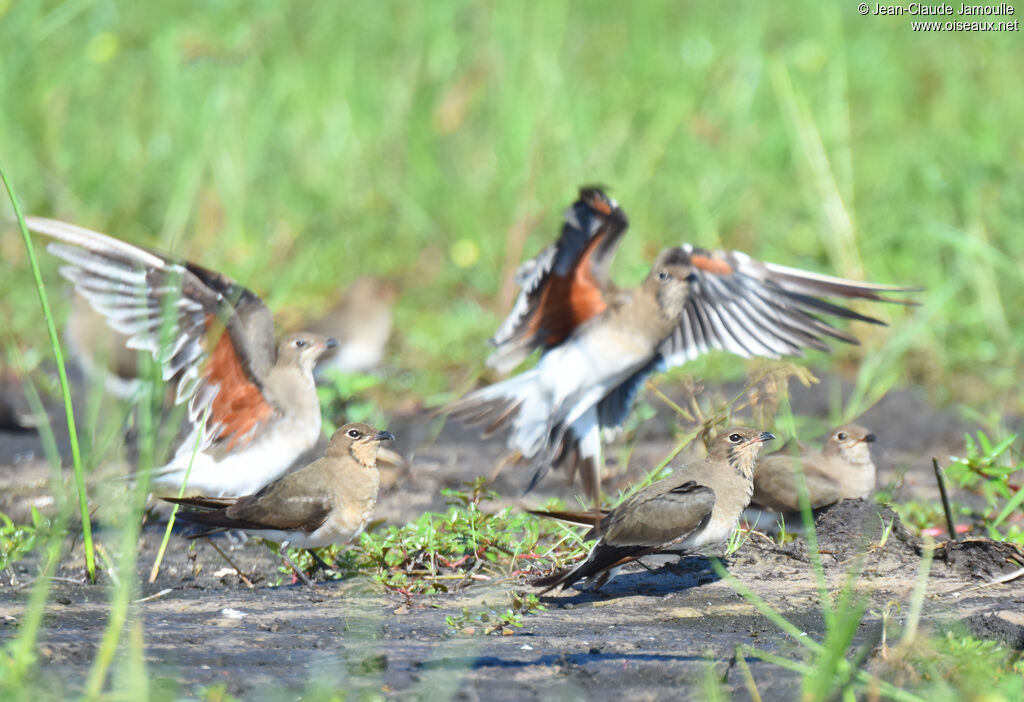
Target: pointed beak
[(331, 344), (384, 436), (870, 439), (765, 436)]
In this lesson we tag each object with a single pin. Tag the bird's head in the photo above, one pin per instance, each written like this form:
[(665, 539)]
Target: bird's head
[(851, 442), (304, 350), (739, 447), (360, 441), (669, 280)]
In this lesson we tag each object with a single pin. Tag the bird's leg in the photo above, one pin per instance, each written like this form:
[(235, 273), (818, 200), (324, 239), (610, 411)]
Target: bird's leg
[(602, 579), (238, 571), (320, 564), (283, 552)]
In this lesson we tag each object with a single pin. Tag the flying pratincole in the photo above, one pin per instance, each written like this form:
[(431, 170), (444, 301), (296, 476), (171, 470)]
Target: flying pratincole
[(327, 502), (842, 470), (258, 398), (599, 343), (694, 509)]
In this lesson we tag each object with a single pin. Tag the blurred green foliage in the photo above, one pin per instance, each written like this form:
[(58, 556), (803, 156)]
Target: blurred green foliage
[(343, 398), (297, 145), (19, 540)]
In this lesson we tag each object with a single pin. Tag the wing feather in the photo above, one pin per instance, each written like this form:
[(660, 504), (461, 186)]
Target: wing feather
[(750, 308), (212, 338), (565, 284)]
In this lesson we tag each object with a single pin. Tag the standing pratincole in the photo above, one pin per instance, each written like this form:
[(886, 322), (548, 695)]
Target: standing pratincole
[(696, 507), (326, 502)]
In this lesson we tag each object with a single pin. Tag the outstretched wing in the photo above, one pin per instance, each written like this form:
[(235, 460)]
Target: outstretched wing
[(563, 286), (751, 308), (213, 338)]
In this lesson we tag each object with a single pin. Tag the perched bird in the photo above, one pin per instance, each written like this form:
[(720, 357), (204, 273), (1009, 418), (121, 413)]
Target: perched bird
[(600, 343), (214, 341), (696, 507), (361, 322), (842, 470), (326, 502)]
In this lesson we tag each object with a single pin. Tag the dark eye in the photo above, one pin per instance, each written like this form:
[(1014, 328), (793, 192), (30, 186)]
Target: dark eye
[(735, 438), (353, 433), (663, 276), (841, 436), (301, 343)]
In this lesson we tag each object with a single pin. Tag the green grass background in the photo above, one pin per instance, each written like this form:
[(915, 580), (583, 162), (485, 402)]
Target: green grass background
[(297, 145)]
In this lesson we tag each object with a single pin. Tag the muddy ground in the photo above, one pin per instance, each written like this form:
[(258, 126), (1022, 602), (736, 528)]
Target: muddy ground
[(648, 635)]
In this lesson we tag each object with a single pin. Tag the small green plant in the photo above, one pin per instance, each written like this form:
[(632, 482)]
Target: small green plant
[(739, 536), (989, 469), (495, 620), (954, 665), (19, 540), (985, 467), (784, 535), (996, 473), (441, 552), (923, 516)]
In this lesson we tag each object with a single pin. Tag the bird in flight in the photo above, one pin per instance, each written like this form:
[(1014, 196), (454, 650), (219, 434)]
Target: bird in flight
[(214, 342), (599, 343)]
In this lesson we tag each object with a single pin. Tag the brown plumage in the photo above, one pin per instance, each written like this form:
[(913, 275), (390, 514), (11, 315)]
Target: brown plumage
[(842, 470), (214, 342), (695, 508), (600, 343), (361, 322), (329, 501)]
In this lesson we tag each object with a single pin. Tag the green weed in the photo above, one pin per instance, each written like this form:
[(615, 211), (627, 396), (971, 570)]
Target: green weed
[(443, 552), (19, 540), (990, 469), (495, 620)]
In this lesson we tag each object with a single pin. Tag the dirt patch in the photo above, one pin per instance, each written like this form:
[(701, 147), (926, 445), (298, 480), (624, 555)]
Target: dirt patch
[(851, 526), (1006, 625), (981, 558)]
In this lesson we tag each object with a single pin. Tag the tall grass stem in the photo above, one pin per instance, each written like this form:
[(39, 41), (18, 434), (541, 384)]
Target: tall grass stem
[(58, 355)]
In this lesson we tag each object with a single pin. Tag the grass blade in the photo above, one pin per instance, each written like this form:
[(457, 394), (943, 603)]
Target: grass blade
[(58, 355)]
